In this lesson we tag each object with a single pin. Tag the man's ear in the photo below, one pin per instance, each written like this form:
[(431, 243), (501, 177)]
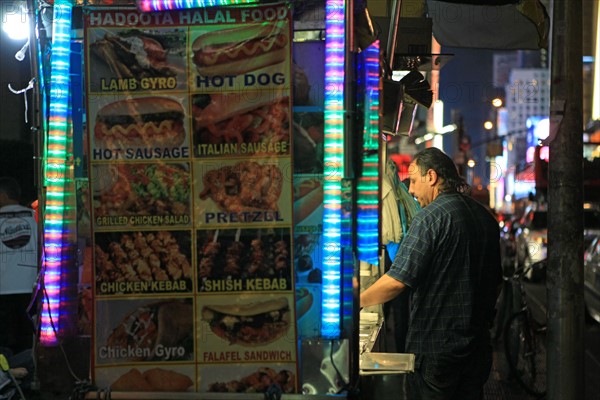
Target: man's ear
[(432, 177)]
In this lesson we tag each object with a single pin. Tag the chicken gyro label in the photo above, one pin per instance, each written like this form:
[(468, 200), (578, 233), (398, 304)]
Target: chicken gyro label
[(137, 330)]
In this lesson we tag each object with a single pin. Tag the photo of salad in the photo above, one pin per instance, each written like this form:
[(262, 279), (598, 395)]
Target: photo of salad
[(153, 189)]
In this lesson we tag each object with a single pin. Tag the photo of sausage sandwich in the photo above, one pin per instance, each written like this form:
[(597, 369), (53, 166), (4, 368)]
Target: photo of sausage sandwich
[(235, 51), (308, 196), (249, 324), (304, 301), (242, 117), (140, 122)]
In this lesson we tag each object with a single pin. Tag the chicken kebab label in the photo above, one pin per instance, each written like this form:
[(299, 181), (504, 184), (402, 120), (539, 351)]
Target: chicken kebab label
[(143, 262)]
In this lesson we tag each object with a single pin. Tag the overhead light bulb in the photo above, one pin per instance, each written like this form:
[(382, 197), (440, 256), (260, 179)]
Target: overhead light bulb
[(16, 21)]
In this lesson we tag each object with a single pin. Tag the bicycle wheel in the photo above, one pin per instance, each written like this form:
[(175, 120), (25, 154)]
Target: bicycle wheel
[(526, 353)]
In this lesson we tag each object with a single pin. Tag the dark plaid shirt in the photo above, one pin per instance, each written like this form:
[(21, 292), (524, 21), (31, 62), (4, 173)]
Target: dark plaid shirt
[(450, 258)]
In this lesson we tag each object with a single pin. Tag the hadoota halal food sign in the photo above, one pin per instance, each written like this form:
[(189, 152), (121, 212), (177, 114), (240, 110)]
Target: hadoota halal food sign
[(189, 133)]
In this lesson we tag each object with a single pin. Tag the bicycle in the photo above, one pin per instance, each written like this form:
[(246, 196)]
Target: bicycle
[(524, 341)]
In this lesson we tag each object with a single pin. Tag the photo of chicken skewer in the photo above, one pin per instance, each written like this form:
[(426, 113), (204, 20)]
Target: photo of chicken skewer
[(244, 253)]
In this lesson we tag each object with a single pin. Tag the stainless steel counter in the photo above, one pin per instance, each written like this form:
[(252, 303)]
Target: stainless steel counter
[(370, 325)]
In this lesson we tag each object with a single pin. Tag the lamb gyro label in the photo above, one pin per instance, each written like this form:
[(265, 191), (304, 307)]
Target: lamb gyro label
[(129, 60)]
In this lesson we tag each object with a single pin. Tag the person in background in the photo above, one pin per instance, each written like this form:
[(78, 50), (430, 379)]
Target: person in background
[(18, 267), (450, 259)]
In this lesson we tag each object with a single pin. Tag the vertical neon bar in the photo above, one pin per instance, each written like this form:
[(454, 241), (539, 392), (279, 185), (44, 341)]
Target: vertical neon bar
[(55, 170), (163, 5), (333, 169), (368, 184)]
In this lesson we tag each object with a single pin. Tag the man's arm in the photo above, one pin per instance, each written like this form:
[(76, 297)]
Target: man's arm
[(383, 290)]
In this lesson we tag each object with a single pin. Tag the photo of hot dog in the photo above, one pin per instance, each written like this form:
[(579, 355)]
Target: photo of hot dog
[(250, 324), (140, 122), (241, 117), (304, 301), (308, 195), (235, 51)]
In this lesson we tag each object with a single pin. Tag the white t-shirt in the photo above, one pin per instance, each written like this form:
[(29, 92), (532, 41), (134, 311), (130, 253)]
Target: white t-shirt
[(18, 249)]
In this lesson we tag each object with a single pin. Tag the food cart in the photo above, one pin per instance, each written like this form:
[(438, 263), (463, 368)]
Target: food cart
[(210, 186)]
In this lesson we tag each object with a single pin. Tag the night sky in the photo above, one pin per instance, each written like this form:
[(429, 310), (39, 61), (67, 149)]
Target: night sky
[(467, 87)]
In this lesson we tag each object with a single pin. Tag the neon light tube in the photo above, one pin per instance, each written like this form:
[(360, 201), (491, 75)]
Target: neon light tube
[(163, 5), (368, 184), (56, 171), (333, 166)]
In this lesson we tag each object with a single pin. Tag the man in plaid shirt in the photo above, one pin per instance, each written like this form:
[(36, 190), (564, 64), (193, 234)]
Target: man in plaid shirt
[(450, 259)]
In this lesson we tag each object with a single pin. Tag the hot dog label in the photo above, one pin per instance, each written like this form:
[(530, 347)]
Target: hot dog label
[(249, 80)]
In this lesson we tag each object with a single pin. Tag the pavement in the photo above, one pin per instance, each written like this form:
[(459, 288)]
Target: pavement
[(500, 385)]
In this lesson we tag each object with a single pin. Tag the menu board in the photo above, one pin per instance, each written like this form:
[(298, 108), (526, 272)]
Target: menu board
[(191, 190)]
